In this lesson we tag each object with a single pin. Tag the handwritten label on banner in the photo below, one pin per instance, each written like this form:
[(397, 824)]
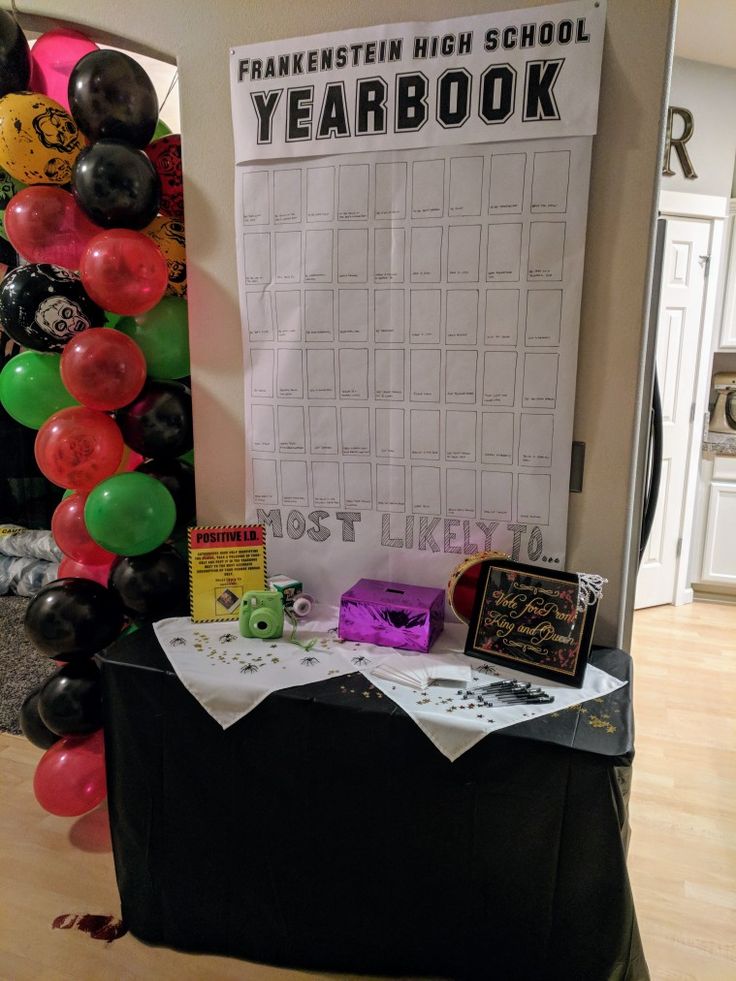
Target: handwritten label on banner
[(503, 76)]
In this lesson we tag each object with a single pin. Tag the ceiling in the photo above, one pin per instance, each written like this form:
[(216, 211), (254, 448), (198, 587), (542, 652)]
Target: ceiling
[(706, 31)]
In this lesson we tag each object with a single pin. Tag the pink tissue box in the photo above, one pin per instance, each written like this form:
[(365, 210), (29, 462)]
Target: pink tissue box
[(392, 614)]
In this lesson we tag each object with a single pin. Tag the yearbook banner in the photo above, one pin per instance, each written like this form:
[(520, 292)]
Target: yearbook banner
[(410, 312), (516, 75)]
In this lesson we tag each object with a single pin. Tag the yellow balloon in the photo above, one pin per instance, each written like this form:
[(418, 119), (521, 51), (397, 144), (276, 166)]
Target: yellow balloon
[(168, 234), (39, 140)]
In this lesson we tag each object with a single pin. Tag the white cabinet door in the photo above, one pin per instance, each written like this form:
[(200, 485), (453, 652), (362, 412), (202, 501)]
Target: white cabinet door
[(727, 340), (719, 554), (679, 331)]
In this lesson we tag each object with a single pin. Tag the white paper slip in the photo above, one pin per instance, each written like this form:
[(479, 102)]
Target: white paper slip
[(399, 670)]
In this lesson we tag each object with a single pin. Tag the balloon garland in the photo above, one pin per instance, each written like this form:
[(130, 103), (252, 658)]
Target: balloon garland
[(91, 202)]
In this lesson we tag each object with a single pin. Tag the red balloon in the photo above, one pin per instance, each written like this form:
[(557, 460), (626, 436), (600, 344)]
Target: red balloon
[(45, 224), (78, 447), (68, 568), (130, 461), (124, 271), (70, 776), (165, 155), (53, 57), (71, 535), (103, 369)]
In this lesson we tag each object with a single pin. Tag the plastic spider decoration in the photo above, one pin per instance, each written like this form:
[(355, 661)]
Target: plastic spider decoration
[(250, 668), (177, 642), (309, 661), (227, 638), (487, 669), (359, 661)]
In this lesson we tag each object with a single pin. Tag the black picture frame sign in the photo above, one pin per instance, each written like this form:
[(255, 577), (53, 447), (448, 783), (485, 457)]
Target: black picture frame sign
[(526, 619)]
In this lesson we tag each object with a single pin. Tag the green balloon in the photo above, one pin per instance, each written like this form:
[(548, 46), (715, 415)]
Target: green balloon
[(188, 457), (161, 130), (31, 388), (163, 335), (112, 319), (130, 513)]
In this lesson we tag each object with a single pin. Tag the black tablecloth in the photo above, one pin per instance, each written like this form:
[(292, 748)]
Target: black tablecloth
[(325, 831)]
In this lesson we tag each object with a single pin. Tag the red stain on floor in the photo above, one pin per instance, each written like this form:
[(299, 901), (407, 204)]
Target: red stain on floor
[(107, 928)]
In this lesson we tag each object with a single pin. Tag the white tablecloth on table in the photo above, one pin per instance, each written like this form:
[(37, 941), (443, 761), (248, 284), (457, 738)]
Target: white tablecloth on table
[(230, 675)]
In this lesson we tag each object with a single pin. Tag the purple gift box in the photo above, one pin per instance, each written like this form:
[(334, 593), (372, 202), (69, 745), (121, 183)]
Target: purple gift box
[(392, 614)]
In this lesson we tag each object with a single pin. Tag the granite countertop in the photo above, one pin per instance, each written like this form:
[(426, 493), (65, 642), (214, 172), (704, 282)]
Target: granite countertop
[(720, 444)]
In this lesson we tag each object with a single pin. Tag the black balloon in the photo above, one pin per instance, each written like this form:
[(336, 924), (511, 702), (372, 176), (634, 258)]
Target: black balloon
[(43, 306), (73, 618), (152, 586), (116, 185), (8, 258), (178, 478), (111, 97), (70, 703), (32, 725), (158, 423), (15, 56)]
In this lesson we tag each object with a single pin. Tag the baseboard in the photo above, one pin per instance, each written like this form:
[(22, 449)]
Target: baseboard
[(707, 592)]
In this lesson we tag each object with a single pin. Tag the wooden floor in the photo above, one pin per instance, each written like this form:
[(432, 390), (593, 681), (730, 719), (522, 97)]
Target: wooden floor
[(682, 858)]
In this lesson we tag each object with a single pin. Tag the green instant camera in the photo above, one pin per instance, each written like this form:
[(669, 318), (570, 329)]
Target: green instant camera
[(262, 614)]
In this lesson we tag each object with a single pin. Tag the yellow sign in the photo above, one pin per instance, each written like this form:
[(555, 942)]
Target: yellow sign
[(225, 561)]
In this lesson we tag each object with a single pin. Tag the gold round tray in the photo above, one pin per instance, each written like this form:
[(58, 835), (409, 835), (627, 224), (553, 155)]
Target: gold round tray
[(463, 583)]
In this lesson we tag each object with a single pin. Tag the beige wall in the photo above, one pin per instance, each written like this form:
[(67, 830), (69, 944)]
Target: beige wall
[(625, 167)]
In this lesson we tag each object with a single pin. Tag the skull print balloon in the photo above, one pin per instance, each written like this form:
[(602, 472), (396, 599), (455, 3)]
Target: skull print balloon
[(39, 140), (168, 234), (42, 306), (165, 155)]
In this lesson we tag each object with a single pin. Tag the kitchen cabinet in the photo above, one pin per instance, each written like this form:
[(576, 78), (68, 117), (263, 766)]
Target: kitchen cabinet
[(719, 548)]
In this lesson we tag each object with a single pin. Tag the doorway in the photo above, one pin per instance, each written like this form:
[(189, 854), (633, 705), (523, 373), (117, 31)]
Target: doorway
[(681, 346)]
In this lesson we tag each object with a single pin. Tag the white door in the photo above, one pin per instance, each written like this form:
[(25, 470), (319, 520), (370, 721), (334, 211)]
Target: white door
[(679, 329)]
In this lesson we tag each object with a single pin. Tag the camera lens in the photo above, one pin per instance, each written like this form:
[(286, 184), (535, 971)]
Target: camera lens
[(262, 623), (302, 605)]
